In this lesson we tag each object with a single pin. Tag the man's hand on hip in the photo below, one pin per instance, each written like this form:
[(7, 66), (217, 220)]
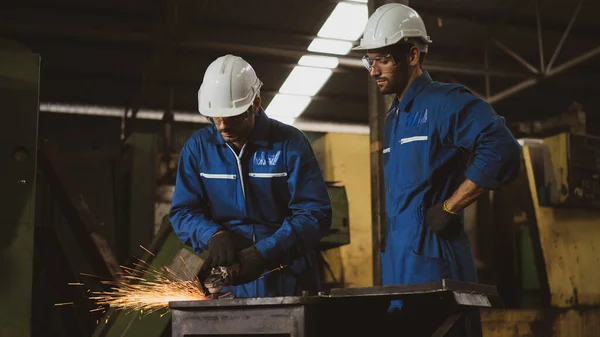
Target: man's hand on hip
[(443, 222)]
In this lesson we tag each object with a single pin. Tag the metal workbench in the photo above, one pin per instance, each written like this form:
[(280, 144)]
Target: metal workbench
[(429, 309)]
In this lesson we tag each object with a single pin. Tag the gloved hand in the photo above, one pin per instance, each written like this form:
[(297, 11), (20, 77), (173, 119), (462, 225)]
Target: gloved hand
[(442, 222), (221, 250), (252, 265)]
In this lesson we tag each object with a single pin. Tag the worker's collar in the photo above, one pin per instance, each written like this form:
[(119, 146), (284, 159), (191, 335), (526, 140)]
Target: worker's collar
[(260, 135), (413, 90)]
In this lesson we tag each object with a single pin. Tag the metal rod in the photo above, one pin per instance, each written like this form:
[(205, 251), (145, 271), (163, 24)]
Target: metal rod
[(575, 61), (447, 325), (530, 82), (194, 117), (512, 90), (516, 56), (539, 31), (469, 70), (486, 65), (564, 36)]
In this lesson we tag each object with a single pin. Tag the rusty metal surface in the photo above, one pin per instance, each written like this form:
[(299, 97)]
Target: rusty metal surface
[(410, 289), (245, 302), (365, 294)]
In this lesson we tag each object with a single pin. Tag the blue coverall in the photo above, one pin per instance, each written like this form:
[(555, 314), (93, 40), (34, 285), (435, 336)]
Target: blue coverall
[(272, 194), (437, 135)]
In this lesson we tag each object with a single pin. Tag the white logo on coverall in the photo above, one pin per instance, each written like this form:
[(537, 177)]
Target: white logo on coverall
[(262, 158)]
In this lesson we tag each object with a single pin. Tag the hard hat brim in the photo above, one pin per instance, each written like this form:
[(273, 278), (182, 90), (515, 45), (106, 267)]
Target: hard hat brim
[(225, 112), (371, 47)]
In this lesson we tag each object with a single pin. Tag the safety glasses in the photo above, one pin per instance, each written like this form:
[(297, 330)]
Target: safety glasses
[(384, 60), (234, 119)]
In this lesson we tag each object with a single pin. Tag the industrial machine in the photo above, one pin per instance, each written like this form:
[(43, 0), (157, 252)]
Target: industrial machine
[(576, 163), (537, 238)]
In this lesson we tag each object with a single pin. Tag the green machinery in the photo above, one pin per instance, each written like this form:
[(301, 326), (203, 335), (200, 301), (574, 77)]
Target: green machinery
[(19, 90)]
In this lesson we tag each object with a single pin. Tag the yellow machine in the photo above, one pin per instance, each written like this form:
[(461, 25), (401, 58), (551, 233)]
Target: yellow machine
[(551, 217)]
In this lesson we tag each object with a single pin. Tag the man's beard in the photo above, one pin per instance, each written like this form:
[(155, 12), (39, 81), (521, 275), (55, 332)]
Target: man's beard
[(397, 87)]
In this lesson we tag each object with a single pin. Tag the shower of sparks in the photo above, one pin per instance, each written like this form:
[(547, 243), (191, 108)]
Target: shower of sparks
[(146, 289), (133, 292)]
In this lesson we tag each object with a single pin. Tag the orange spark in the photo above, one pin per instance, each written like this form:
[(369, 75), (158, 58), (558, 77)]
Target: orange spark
[(149, 252), (66, 303)]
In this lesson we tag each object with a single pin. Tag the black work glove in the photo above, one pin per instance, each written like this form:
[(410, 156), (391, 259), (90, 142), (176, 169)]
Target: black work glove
[(252, 265), (443, 223), (221, 250)]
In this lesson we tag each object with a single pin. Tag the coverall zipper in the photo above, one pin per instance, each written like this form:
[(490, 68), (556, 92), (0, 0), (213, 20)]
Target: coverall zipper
[(239, 166)]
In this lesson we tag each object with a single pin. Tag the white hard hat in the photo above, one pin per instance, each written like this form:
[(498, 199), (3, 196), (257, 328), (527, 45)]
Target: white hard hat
[(391, 23), (229, 87)]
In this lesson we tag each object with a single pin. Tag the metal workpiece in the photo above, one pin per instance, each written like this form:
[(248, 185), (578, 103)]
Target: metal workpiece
[(429, 309), (460, 289)]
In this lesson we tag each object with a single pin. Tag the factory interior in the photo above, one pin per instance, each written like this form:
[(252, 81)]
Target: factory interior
[(99, 98)]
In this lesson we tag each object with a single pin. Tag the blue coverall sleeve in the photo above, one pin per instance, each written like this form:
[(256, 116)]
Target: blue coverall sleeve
[(472, 125), (188, 212), (309, 206)]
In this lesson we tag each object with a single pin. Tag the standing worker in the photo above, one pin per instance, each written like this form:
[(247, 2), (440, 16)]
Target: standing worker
[(442, 148), (249, 189)]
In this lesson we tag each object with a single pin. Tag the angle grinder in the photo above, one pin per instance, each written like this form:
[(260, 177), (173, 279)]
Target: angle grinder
[(219, 278)]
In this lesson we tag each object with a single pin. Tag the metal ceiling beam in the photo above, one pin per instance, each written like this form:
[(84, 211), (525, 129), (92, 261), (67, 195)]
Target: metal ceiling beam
[(575, 61), (459, 14), (564, 36), (197, 44), (486, 65), (538, 20), (516, 56), (546, 72), (484, 20), (345, 61), (532, 81)]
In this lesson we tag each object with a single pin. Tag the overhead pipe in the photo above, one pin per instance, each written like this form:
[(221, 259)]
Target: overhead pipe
[(192, 117)]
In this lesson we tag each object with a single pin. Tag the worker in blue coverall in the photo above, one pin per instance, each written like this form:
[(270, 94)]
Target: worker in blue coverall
[(442, 148), (249, 189)]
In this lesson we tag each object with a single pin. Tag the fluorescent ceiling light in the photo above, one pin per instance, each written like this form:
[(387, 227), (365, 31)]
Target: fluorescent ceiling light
[(328, 46), (346, 22), (319, 61), (287, 106), (305, 81), (362, 1)]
